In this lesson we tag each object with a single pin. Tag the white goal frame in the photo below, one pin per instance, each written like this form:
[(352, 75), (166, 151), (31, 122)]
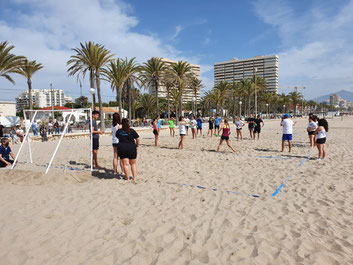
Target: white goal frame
[(27, 138)]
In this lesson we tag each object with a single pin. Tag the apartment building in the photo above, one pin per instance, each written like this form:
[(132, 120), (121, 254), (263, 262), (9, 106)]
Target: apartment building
[(188, 94), (235, 70), (42, 98)]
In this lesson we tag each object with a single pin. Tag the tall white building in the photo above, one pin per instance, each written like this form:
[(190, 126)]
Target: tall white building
[(235, 70), (42, 98)]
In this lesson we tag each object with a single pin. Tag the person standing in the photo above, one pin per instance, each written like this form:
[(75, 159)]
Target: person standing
[(193, 124), (312, 126), (159, 122), (321, 138), (35, 128), (171, 127), (6, 153), (115, 127), (56, 127), (127, 148), (50, 127), (182, 132), (187, 122), (258, 126), (239, 124), (251, 125), (2, 130), (225, 136), (95, 138), (199, 125), (217, 123), (155, 131), (287, 124), (43, 133), (20, 133), (210, 126)]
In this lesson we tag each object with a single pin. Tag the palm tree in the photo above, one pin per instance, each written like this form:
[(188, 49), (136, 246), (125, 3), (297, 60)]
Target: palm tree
[(169, 82), (9, 62), (82, 62), (175, 96), (294, 98), (223, 87), (183, 74), (147, 102), (28, 69), (237, 92), (132, 69), (102, 56), (259, 84), (151, 74), (248, 89), (214, 96), (195, 86)]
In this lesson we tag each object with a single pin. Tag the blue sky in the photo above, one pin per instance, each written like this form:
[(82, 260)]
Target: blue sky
[(312, 38)]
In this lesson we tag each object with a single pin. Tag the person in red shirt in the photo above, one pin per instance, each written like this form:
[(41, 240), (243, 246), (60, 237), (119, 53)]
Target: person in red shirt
[(225, 136)]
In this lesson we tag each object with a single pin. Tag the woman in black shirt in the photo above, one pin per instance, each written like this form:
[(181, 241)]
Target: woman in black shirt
[(127, 148)]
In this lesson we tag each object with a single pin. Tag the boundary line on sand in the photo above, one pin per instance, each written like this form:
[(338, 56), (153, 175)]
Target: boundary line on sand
[(290, 176)]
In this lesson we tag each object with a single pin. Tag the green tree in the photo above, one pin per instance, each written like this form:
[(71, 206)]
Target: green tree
[(196, 86), (248, 89), (28, 69), (295, 97), (236, 92), (151, 74), (9, 63), (260, 86), (147, 103), (168, 80), (81, 101)]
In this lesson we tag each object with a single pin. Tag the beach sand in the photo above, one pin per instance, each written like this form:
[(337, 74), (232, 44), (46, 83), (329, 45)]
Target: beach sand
[(73, 217)]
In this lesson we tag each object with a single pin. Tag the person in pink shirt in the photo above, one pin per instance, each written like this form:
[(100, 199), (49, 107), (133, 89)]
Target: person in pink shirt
[(225, 136)]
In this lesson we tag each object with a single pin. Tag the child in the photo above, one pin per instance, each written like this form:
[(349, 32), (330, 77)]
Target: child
[(155, 131), (287, 124), (171, 127), (182, 132), (239, 125), (312, 126), (321, 138), (199, 125), (193, 124), (225, 136), (258, 126), (187, 122), (210, 126)]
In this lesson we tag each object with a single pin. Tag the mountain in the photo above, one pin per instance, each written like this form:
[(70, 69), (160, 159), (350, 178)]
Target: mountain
[(347, 95)]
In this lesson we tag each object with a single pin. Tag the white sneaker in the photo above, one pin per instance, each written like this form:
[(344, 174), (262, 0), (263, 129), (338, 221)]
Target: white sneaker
[(318, 159)]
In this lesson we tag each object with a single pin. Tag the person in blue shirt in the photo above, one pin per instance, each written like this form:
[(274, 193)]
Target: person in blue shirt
[(5, 153), (217, 123), (199, 125), (159, 123)]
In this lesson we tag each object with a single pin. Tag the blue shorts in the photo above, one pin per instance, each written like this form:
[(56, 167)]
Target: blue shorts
[(287, 137)]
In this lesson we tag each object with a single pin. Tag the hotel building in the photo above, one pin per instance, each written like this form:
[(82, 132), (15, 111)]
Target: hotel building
[(188, 94), (235, 70)]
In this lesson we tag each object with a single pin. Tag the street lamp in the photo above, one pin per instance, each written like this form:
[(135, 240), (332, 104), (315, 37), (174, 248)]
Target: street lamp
[(255, 71), (240, 108), (284, 109), (92, 91), (267, 109)]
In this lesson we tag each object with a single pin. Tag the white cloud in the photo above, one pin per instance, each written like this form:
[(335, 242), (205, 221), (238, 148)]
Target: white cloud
[(50, 29), (316, 45)]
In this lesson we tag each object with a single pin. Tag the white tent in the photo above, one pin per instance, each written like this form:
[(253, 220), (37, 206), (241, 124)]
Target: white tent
[(10, 121)]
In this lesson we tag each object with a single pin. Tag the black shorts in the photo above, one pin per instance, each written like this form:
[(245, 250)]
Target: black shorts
[(95, 143), (186, 127), (182, 134), (311, 133), (225, 138), (257, 129), (251, 128), (216, 126), (239, 129), (127, 150), (115, 145), (199, 128), (321, 140), (155, 132), (210, 127), (2, 164)]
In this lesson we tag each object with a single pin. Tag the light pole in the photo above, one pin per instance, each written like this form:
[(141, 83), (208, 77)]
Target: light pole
[(267, 109), (240, 108), (284, 109), (193, 105), (255, 71), (92, 91)]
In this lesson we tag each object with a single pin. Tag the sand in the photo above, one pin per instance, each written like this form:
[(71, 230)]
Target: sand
[(74, 217)]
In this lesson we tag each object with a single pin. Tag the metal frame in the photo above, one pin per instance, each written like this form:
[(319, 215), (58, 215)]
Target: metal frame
[(62, 136)]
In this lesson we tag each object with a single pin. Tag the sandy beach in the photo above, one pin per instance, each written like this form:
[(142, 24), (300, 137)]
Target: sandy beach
[(71, 216)]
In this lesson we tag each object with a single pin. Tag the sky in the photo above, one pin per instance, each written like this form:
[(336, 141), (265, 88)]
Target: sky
[(313, 39)]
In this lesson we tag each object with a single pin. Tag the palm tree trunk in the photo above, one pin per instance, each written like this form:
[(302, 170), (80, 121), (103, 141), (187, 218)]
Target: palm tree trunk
[(100, 100), (94, 87), (29, 83), (249, 105), (157, 99), (119, 89), (129, 96), (168, 104)]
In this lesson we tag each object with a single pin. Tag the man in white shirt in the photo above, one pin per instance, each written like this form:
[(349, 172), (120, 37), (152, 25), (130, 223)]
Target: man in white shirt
[(287, 124)]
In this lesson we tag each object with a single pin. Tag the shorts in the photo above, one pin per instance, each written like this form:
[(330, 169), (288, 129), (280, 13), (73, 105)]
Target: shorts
[(321, 140), (225, 138), (182, 134), (311, 133), (186, 127), (199, 128), (239, 129), (216, 126), (210, 127), (287, 137), (257, 129), (251, 128), (155, 132), (2, 164), (127, 150), (115, 145), (95, 143)]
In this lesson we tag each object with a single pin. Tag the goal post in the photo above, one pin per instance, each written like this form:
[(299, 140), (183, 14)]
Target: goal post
[(68, 116)]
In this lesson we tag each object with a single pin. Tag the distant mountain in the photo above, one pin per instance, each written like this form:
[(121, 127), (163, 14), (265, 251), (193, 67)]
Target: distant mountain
[(347, 95)]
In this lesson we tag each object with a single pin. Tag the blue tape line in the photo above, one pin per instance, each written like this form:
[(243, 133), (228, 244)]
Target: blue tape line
[(275, 157), (284, 182)]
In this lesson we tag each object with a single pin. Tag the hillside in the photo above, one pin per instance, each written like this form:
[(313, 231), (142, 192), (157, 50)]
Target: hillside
[(347, 95)]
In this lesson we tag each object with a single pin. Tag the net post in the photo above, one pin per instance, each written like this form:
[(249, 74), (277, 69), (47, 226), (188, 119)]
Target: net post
[(28, 139), (57, 146), (91, 137), (24, 140)]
